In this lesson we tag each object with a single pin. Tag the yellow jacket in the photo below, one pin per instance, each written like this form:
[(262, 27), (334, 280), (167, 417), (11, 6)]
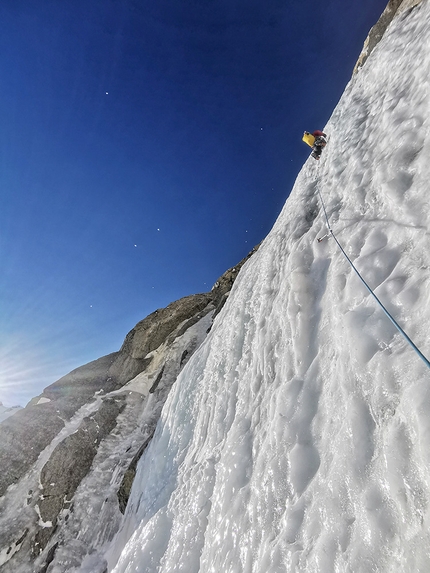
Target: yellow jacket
[(308, 138)]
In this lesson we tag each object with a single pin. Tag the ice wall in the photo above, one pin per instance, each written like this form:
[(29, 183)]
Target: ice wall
[(296, 439)]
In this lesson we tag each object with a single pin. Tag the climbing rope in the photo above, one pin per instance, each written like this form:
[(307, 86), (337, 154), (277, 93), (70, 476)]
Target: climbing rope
[(399, 328)]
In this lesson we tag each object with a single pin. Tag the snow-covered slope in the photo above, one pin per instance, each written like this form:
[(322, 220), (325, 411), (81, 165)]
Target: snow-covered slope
[(7, 412), (297, 438)]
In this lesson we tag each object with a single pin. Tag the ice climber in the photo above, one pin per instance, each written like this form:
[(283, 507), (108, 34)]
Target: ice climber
[(317, 140)]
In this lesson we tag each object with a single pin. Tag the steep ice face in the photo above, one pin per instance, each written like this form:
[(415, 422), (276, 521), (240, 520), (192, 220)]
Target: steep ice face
[(296, 439)]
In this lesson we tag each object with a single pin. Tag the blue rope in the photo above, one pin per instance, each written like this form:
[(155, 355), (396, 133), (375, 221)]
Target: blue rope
[(399, 328)]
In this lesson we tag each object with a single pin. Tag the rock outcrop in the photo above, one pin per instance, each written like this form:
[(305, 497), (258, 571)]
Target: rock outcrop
[(68, 465), (49, 448), (24, 435), (393, 9)]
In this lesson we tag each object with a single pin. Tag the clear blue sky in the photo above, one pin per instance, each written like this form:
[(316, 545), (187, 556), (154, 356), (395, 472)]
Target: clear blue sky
[(146, 147)]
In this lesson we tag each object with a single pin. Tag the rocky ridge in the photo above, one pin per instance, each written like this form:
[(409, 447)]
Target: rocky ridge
[(393, 9), (49, 448)]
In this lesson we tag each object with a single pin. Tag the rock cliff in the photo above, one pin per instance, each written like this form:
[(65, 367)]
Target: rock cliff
[(394, 8), (99, 417)]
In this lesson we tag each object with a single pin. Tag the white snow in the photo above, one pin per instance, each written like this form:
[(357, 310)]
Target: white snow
[(41, 523), (296, 438), (43, 400), (6, 412)]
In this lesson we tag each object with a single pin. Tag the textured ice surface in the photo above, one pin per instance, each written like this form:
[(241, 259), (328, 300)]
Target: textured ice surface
[(297, 437)]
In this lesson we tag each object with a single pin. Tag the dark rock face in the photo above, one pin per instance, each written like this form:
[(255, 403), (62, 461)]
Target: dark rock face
[(393, 8), (69, 464), (127, 481), (35, 426), (224, 284), (153, 330), (75, 389), (23, 436)]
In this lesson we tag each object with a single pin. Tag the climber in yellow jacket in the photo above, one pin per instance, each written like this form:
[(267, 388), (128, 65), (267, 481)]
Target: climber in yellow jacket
[(317, 140)]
